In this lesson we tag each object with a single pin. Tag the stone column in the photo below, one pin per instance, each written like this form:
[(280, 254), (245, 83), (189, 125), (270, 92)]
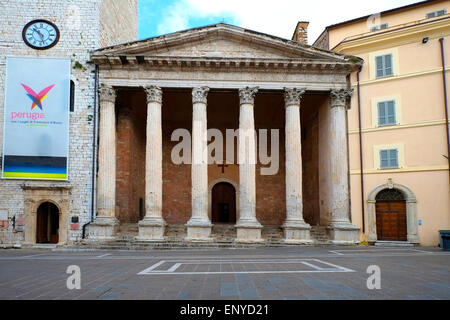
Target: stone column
[(296, 231), (199, 226), (105, 225), (248, 227), (341, 230), (152, 227)]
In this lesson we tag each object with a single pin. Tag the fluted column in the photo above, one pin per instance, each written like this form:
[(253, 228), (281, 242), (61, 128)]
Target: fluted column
[(153, 225), (105, 224), (199, 226), (341, 229), (248, 227), (295, 228)]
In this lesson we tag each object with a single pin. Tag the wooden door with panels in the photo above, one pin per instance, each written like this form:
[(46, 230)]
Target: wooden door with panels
[(391, 216)]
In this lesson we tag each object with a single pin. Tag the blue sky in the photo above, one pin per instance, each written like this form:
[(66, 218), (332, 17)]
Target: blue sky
[(276, 17)]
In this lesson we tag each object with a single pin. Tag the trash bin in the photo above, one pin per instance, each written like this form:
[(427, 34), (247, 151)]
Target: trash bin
[(445, 239)]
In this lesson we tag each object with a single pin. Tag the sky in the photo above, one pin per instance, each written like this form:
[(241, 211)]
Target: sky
[(275, 17)]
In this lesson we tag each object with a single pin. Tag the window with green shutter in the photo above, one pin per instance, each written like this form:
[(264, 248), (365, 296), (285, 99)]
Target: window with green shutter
[(389, 159), (436, 13), (384, 66), (386, 113)]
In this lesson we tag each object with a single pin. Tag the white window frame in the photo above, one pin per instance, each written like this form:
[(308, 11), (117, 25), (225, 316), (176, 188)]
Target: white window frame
[(373, 63), (400, 154)]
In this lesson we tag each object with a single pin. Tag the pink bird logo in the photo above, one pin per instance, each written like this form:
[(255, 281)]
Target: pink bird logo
[(37, 98)]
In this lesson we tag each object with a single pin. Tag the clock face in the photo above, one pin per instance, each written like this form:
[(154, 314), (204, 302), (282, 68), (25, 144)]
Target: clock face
[(40, 34)]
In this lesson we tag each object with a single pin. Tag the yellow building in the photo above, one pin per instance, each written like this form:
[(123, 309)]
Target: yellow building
[(400, 182)]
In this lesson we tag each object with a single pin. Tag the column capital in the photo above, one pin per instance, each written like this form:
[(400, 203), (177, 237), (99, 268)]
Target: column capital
[(154, 94), (200, 95), (107, 93), (339, 97), (247, 95), (293, 96)]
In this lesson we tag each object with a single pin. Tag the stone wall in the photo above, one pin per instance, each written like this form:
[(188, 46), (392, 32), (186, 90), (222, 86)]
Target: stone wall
[(119, 21), (79, 24)]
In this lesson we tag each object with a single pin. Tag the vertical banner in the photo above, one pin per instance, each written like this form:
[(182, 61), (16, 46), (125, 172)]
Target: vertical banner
[(36, 126)]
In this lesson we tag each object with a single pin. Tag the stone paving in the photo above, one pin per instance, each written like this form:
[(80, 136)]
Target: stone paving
[(293, 273)]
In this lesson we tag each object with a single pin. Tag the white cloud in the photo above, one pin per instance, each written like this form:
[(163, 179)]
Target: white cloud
[(276, 17)]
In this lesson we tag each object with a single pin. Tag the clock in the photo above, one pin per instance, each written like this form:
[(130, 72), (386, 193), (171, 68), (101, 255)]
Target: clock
[(40, 34)]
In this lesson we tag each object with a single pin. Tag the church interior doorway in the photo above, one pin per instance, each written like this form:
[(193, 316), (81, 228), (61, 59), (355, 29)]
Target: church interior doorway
[(391, 216), (223, 203), (47, 229)]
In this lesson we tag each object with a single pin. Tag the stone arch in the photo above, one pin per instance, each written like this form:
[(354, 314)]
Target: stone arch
[(411, 211), (35, 196), (210, 188)]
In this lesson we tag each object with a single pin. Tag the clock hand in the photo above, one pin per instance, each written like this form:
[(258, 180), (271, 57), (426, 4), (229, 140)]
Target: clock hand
[(40, 34)]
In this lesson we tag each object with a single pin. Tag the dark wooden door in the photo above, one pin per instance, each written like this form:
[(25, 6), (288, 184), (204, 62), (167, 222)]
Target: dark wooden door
[(47, 226), (223, 203), (391, 221), (42, 226)]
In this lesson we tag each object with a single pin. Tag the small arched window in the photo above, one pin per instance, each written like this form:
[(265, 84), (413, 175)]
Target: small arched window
[(72, 96)]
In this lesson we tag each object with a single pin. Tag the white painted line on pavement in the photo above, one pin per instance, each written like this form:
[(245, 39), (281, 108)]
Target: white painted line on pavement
[(312, 266), (315, 268), (156, 265), (335, 266)]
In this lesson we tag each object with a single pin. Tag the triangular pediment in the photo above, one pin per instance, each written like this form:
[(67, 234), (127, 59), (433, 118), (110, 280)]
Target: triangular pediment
[(221, 41)]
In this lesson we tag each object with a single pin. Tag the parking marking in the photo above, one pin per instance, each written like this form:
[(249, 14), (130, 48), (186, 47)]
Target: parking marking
[(312, 264)]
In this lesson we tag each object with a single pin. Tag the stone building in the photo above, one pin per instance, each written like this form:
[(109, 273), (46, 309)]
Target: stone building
[(223, 77), (218, 77), (84, 25)]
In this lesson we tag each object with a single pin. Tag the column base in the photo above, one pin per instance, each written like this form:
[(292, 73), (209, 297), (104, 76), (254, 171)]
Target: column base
[(372, 238), (199, 231), (413, 239), (297, 232), (343, 233), (103, 228), (151, 229), (248, 232)]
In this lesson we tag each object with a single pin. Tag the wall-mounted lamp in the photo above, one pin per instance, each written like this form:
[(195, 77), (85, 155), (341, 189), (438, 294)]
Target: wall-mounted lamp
[(425, 40)]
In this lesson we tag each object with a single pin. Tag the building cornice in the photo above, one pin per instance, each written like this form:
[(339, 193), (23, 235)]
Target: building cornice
[(164, 62), (394, 35)]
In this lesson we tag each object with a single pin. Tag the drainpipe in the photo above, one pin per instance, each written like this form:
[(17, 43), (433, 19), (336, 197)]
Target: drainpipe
[(441, 40), (363, 207), (94, 155)]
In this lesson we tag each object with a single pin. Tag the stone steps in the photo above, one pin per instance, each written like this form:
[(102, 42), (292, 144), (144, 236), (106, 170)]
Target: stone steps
[(224, 236), (393, 244)]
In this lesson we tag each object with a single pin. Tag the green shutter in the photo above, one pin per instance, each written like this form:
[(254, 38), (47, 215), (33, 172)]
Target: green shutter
[(388, 65), (384, 159), (381, 114), (390, 114), (389, 159), (393, 158), (380, 66)]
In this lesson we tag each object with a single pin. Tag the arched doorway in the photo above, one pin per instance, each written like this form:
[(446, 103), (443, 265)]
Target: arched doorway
[(391, 216), (47, 228), (223, 204)]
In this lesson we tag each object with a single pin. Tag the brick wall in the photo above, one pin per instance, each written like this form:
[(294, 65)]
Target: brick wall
[(130, 179), (177, 113)]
